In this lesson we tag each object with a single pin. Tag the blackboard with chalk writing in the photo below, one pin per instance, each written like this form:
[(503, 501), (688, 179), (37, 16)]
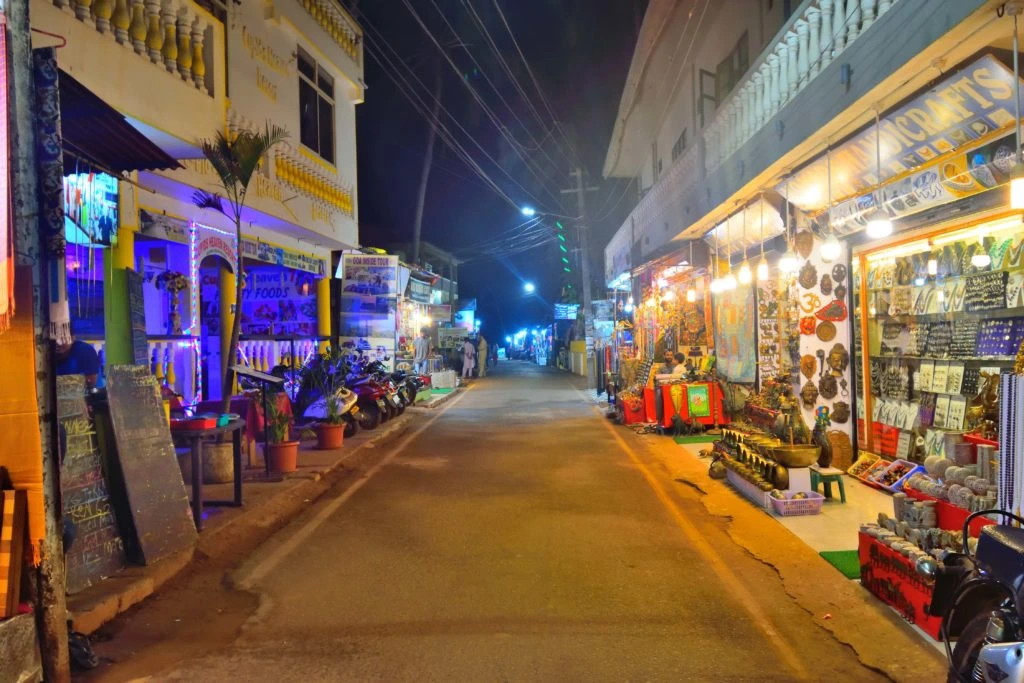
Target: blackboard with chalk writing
[(149, 467), (97, 550), (137, 318)]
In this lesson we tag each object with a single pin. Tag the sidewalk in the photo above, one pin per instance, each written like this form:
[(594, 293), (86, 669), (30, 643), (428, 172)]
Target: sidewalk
[(229, 534)]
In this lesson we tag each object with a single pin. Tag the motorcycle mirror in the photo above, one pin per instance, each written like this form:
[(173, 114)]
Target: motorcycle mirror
[(927, 567)]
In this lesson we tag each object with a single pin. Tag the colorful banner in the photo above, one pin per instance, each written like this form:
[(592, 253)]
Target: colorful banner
[(566, 311), (368, 320), (279, 256), (734, 334), (369, 275), (698, 400), (451, 337), (278, 302)]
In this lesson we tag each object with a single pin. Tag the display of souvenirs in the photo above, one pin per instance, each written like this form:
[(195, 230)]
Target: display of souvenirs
[(985, 292), (965, 339), (995, 338)]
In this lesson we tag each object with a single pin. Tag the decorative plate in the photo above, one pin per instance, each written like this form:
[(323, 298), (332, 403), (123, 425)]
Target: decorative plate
[(826, 331)]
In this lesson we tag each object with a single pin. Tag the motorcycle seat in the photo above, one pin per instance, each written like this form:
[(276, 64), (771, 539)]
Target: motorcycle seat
[(1001, 552)]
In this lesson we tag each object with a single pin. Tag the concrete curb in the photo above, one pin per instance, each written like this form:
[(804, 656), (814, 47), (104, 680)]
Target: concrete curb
[(100, 604)]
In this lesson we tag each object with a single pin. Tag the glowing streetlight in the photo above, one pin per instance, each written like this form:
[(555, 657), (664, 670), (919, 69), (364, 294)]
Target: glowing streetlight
[(529, 288), (528, 211)]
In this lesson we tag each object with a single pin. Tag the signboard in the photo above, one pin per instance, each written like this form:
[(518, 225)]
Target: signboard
[(137, 318), (369, 275), (440, 313), (279, 256), (566, 311), (97, 550), (214, 243), (451, 337), (90, 208), (368, 312), (152, 481), (275, 302), (465, 319), (163, 227)]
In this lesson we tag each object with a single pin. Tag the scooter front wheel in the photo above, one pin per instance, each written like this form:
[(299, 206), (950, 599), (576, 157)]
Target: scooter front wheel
[(369, 416), (351, 427)]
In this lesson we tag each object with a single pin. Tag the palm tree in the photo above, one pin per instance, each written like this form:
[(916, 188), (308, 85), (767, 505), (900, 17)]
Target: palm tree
[(235, 158)]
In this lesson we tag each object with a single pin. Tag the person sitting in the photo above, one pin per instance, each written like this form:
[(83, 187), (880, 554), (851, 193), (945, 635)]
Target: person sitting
[(680, 368), (78, 358), (669, 365)]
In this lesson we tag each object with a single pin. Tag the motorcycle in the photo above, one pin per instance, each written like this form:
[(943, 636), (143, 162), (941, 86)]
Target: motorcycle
[(311, 404), (980, 597)]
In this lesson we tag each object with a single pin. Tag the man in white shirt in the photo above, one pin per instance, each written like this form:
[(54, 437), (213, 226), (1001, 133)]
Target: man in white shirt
[(421, 349)]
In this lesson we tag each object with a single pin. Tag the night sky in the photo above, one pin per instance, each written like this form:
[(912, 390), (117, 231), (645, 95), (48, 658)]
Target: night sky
[(579, 51)]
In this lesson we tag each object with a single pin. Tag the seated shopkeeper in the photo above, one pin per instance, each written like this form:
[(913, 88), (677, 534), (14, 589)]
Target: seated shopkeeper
[(675, 364), (78, 358)]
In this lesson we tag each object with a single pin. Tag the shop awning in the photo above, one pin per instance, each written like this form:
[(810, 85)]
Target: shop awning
[(96, 133)]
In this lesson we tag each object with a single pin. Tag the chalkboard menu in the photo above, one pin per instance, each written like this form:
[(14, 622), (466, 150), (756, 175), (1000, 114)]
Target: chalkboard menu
[(97, 550), (137, 318), (152, 480)]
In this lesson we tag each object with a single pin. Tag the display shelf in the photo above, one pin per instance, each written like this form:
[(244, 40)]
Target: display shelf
[(748, 490), (893, 579), (980, 360), (996, 314), (948, 516)]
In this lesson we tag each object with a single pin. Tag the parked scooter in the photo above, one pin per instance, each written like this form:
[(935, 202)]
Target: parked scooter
[(375, 400), (309, 402), (979, 599)]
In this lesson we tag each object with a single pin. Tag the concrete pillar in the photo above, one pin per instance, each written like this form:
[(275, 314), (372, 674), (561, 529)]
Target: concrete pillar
[(323, 311), (226, 288)]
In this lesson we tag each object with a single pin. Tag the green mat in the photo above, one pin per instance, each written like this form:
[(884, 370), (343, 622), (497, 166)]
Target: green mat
[(846, 561), (444, 390), (424, 395), (700, 438)]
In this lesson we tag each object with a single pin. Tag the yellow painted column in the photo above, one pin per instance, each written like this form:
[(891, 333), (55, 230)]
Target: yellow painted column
[(118, 346), (226, 287), (323, 310)]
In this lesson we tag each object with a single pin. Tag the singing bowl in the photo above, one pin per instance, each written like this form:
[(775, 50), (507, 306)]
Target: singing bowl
[(795, 456)]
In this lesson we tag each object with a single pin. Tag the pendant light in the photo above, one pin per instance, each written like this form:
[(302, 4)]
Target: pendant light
[(881, 226), (729, 281), (830, 248), (1017, 173), (981, 259), (789, 263), (691, 293), (762, 267), (745, 275)]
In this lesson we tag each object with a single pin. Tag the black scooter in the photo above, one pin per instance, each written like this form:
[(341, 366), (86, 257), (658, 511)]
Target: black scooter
[(979, 598)]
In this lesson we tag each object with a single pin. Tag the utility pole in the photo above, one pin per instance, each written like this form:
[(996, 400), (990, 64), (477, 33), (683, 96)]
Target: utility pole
[(48, 581), (581, 191), (428, 160)]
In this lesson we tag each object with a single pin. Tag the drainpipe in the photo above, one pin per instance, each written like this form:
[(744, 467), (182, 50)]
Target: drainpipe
[(48, 581)]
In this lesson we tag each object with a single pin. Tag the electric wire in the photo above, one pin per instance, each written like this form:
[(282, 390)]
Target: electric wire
[(502, 129)]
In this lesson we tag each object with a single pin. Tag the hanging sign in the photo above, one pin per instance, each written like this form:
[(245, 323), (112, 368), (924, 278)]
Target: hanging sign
[(566, 311), (279, 256)]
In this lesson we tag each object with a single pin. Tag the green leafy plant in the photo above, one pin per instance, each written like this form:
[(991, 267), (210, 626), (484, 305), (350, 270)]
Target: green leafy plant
[(324, 375), (235, 157), (279, 423)]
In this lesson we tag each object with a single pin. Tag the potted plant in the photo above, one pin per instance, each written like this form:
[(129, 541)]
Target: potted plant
[(282, 452), (324, 376)]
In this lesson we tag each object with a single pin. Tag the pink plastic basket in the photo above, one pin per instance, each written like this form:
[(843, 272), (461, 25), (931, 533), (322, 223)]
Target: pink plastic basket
[(811, 505)]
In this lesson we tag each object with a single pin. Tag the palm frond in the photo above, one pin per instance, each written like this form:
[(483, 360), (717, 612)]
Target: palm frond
[(208, 200), (251, 147)]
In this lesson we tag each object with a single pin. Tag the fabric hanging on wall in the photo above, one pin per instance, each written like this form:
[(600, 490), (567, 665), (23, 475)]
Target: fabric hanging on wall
[(22, 454), (6, 225), (50, 162)]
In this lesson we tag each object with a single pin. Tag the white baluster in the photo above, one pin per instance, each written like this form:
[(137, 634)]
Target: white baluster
[(169, 19), (814, 42), (852, 20), (184, 45), (839, 26), (766, 87), (868, 8), (83, 9), (744, 109), (62, 4), (137, 30), (198, 59), (884, 6), (803, 64), (792, 73), (154, 33), (827, 37), (756, 110), (776, 92)]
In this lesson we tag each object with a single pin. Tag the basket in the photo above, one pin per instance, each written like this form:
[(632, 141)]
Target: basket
[(811, 505)]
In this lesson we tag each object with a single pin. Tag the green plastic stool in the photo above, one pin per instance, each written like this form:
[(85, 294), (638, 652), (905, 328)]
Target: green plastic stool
[(827, 477)]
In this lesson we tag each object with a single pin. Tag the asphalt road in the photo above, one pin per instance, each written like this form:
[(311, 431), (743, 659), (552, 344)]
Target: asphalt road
[(514, 537)]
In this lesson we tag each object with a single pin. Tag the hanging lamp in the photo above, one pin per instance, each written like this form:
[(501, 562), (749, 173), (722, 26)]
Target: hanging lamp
[(881, 226), (789, 263), (1017, 173), (745, 275), (762, 267), (830, 248)]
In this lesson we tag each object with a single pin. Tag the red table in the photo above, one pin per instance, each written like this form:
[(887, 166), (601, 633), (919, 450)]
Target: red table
[(250, 410), (714, 395)]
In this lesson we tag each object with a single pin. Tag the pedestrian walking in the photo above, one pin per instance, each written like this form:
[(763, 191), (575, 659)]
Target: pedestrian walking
[(468, 359), (421, 349), (482, 351)]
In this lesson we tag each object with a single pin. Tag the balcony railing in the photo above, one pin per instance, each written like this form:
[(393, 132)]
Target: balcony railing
[(815, 35), (337, 23), (169, 33)]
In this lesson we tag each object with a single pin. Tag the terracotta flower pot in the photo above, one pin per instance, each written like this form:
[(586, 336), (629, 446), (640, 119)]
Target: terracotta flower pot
[(329, 437), (283, 457)]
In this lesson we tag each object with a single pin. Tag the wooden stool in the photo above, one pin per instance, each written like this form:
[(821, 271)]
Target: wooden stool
[(826, 476)]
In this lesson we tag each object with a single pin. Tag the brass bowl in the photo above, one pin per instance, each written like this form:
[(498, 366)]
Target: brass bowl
[(795, 456), (764, 448)]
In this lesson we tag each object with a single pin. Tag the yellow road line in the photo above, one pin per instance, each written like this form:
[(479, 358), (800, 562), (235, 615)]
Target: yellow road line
[(707, 551)]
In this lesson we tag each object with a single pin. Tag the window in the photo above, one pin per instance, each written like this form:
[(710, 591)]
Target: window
[(316, 107), (680, 146), (731, 69)]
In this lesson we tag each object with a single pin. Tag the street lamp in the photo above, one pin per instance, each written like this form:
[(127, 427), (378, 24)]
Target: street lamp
[(529, 288), (528, 211)]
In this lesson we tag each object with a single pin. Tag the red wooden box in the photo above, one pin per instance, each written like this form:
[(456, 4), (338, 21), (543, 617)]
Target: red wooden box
[(894, 580)]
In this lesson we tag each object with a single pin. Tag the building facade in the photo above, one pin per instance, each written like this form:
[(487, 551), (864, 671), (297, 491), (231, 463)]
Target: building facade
[(181, 71)]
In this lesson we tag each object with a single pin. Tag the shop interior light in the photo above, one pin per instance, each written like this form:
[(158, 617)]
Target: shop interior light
[(789, 263), (691, 294), (662, 283), (919, 282), (981, 259), (745, 276), (729, 282), (879, 228), (909, 249), (933, 267), (668, 295)]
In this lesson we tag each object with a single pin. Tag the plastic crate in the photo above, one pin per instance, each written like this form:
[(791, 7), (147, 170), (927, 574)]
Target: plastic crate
[(897, 485), (811, 505)]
